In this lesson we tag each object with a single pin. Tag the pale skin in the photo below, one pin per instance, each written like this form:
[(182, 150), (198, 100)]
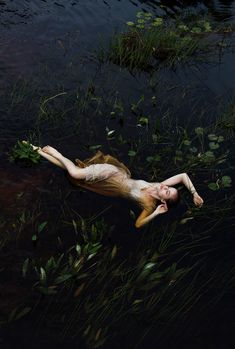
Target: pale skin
[(182, 178), (156, 192)]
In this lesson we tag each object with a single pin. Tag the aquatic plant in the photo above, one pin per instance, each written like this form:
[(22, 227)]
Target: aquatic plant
[(24, 152), (90, 289), (152, 38)]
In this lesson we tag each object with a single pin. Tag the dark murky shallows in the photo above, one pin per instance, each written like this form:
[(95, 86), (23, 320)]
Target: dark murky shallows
[(158, 93)]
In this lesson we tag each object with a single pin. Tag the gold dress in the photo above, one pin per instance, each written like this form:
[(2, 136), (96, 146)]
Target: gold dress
[(111, 180)]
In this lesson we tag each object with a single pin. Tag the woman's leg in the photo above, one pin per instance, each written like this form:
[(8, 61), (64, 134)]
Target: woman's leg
[(47, 156), (73, 170)]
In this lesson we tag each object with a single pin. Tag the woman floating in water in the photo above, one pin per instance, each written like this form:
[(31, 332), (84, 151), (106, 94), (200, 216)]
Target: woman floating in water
[(105, 175)]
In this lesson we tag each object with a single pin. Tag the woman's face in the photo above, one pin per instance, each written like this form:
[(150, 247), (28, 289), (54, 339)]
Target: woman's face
[(166, 193)]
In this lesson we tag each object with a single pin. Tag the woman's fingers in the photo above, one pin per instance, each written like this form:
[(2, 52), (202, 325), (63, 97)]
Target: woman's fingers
[(198, 200), (162, 208)]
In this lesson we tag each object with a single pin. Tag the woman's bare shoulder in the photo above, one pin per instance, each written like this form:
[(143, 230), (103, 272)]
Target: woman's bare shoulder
[(148, 203)]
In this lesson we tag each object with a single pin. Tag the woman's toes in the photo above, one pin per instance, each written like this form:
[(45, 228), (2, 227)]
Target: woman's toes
[(46, 149), (50, 150)]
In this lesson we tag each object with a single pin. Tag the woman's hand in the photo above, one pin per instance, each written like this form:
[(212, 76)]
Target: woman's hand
[(198, 201), (161, 209)]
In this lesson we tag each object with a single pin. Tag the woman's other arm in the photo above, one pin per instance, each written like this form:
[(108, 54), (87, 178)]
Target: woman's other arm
[(148, 214), (183, 178)]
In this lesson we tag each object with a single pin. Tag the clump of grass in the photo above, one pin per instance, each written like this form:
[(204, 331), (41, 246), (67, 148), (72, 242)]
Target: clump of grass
[(227, 120), (24, 152), (90, 290), (152, 38)]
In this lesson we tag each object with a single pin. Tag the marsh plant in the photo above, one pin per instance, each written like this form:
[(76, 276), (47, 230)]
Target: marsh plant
[(23, 152), (90, 289), (152, 38)]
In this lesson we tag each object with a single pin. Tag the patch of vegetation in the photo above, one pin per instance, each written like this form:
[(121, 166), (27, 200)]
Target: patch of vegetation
[(23, 152), (89, 289), (152, 38)]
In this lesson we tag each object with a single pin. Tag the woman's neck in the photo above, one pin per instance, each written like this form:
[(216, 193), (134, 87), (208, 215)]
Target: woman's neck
[(153, 189)]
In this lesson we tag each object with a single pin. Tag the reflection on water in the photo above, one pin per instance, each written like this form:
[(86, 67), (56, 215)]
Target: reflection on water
[(22, 11)]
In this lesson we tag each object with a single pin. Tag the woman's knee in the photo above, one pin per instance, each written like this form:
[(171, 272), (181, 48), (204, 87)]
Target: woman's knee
[(77, 173)]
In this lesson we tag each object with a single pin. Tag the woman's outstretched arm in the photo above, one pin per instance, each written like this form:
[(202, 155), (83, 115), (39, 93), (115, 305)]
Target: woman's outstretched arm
[(148, 214), (183, 178)]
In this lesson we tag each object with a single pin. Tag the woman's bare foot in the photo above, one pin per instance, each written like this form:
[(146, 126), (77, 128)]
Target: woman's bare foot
[(51, 151), (33, 146)]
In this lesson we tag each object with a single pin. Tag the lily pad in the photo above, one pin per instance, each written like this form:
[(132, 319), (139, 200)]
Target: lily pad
[(213, 145), (130, 24), (199, 131), (212, 137), (213, 186), (187, 142), (132, 153), (226, 181), (220, 139)]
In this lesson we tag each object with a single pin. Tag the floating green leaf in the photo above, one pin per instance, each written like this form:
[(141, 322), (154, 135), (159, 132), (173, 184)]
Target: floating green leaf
[(212, 137), (157, 21), (25, 267), (199, 131), (220, 139), (130, 24), (132, 215), (226, 181), (213, 186), (207, 26), (62, 278), (95, 147), (213, 145), (132, 153), (143, 120), (196, 30), (149, 265), (187, 142), (42, 226), (43, 275), (193, 149)]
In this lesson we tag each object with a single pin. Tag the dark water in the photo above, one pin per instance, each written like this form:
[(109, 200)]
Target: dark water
[(49, 48)]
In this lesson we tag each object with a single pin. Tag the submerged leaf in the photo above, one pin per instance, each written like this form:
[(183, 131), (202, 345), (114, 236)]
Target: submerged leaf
[(212, 137), (213, 186), (226, 181), (43, 276), (213, 145), (149, 265), (42, 226), (79, 290), (132, 153), (185, 220), (199, 131), (25, 267), (62, 278), (130, 24), (187, 142), (114, 252)]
